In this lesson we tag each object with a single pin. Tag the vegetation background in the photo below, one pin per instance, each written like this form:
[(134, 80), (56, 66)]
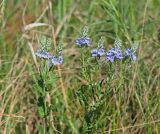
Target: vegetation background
[(132, 101)]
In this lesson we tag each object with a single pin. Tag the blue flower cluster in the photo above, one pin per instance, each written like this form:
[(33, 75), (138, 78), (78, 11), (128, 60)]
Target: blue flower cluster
[(130, 53), (54, 59), (111, 55), (83, 41), (114, 53), (43, 54), (98, 52)]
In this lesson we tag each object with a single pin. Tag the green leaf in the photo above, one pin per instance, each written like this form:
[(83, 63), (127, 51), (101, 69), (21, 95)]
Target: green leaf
[(41, 106), (41, 111), (52, 79), (40, 128)]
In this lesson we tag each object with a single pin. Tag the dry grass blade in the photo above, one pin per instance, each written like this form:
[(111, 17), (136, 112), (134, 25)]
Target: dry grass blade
[(33, 25), (33, 55)]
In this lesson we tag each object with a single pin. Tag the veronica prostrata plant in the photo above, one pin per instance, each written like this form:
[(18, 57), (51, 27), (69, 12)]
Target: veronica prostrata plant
[(90, 95), (93, 95), (45, 82)]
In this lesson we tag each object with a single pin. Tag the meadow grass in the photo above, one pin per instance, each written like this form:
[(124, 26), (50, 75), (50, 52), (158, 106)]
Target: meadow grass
[(82, 95)]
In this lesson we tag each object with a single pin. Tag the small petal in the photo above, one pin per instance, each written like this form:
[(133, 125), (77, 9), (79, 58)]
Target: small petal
[(111, 59), (101, 52), (94, 52), (133, 57)]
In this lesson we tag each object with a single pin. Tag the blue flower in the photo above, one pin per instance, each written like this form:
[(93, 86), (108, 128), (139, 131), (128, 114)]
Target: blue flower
[(43, 54), (118, 54), (83, 41), (98, 52), (110, 58), (114, 53), (94, 52), (129, 53), (56, 60), (53, 60)]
